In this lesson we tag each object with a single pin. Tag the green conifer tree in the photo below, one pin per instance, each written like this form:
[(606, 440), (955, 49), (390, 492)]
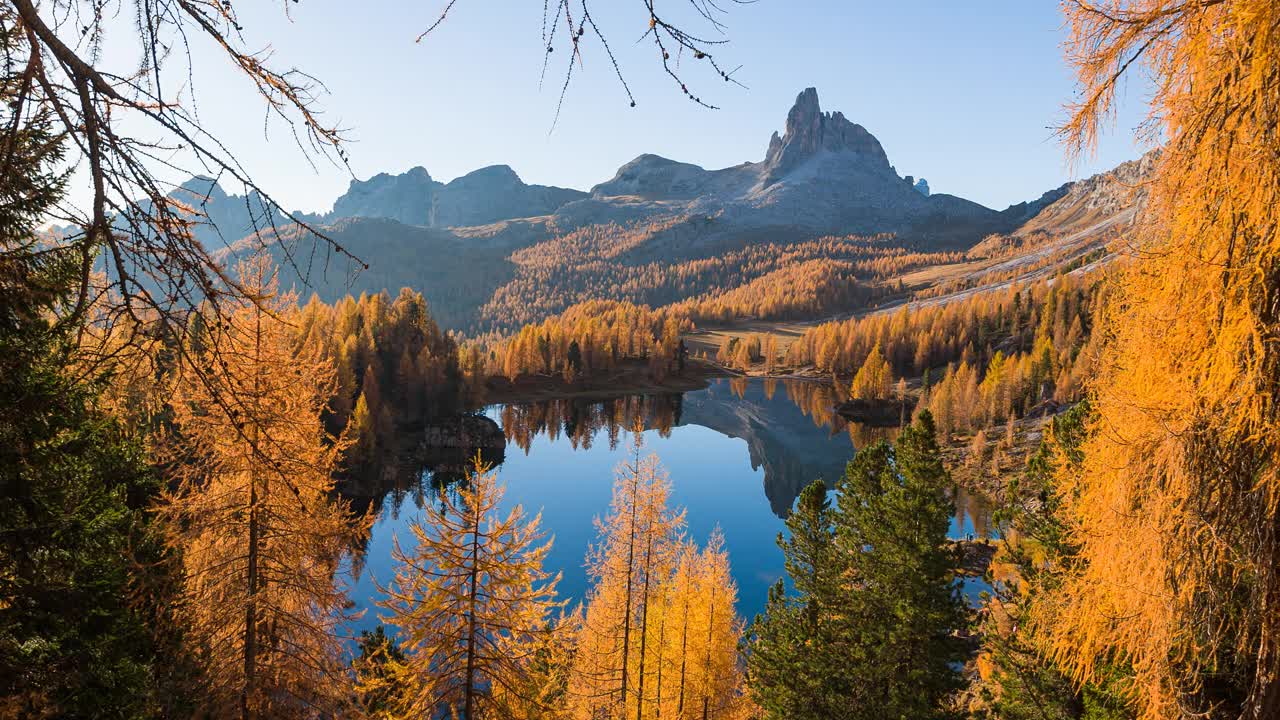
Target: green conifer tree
[(904, 608), (75, 539), (793, 655)]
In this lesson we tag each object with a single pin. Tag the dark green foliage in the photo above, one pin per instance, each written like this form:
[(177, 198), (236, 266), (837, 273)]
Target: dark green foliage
[(792, 649), (1023, 684), (76, 546), (33, 276), (1032, 501), (892, 518), (381, 690), (869, 631), (73, 530), (575, 357)]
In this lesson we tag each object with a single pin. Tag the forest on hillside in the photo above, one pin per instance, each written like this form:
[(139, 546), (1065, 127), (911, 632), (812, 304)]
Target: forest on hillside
[(175, 541)]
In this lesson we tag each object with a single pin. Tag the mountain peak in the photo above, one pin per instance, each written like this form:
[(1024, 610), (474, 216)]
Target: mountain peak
[(652, 175), (200, 189), (501, 174), (810, 131), (405, 197)]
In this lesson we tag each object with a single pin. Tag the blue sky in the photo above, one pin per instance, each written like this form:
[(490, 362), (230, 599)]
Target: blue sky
[(963, 94)]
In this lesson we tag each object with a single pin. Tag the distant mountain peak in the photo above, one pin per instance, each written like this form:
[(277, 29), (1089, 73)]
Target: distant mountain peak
[(199, 189), (492, 176), (810, 131), (655, 176), (405, 197)]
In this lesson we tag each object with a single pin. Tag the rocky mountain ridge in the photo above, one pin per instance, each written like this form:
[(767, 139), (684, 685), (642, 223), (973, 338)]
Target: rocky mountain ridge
[(487, 242), (480, 197), (823, 174)]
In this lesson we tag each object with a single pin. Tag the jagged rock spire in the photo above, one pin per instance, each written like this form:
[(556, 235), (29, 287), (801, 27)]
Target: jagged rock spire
[(810, 131)]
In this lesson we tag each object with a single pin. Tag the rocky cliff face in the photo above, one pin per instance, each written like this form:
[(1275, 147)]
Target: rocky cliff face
[(406, 198), (826, 172), (478, 198), (823, 174), (809, 131), (223, 218), (1115, 196), (1078, 217), (495, 193)]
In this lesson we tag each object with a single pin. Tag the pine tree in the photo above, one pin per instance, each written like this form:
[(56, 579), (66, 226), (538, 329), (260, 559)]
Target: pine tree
[(473, 603), (77, 639), (1017, 681), (380, 675), (261, 537), (794, 664), (891, 523), (573, 360), (85, 580), (869, 630)]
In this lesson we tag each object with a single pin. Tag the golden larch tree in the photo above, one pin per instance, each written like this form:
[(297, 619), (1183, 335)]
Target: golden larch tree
[(539, 692), (874, 379), (254, 518), (679, 635), (636, 550), (715, 683), (770, 354), (473, 603), (1176, 505)]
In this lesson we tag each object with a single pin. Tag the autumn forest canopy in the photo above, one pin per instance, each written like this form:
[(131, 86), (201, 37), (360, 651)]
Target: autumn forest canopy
[(214, 408)]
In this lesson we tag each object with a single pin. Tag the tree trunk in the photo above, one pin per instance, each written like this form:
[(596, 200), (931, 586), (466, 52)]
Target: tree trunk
[(644, 622), (251, 607), (662, 644), (706, 674), (684, 646), (1264, 696), (250, 611), (469, 702), (631, 559)]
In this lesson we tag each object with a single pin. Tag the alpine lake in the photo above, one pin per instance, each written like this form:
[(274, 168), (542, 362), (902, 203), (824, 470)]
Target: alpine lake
[(737, 453)]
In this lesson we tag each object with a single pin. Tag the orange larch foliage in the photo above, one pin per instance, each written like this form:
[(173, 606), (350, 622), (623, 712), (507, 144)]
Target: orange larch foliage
[(472, 603), (1176, 505), (254, 518)]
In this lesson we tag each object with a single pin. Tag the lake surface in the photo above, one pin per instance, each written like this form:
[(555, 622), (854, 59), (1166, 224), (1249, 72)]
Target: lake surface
[(737, 453)]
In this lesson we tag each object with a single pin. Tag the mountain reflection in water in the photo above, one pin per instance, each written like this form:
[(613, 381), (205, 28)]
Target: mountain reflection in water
[(719, 444), (790, 427)]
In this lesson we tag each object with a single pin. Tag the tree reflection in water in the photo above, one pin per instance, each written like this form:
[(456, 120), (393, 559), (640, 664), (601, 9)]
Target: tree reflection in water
[(796, 436), (558, 455)]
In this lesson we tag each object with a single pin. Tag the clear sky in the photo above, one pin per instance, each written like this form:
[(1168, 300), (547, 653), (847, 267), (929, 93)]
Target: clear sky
[(963, 94)]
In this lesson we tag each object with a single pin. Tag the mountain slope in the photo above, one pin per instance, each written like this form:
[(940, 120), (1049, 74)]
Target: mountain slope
[(492, 253)]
